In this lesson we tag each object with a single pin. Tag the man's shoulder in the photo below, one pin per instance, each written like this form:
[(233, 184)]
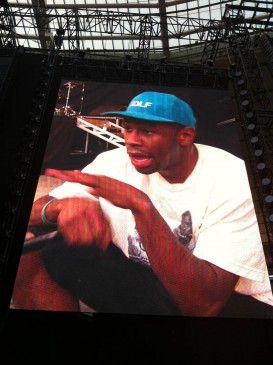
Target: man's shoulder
[(217, 154), (225, 172), (110, 162), (221, 165)]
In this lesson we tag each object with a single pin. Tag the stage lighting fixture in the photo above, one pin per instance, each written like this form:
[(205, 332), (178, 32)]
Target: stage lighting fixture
[(245, 104), (243, 93), (269, 199), (251, 127), (258, 152), (249, 115), (261, 166), (266, 181), (254, 140), (240, 82)]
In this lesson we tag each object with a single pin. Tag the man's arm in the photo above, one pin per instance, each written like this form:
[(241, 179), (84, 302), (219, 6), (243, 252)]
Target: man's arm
[(199, 288)]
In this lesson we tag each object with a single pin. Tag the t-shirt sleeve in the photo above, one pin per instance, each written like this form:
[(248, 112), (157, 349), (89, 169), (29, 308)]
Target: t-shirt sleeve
[(69, 189), (229, 235)]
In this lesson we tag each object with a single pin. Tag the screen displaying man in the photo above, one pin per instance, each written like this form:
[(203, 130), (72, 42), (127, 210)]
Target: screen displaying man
[(163, 225)]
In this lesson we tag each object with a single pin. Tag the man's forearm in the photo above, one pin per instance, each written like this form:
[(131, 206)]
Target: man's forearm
[(197, 286)]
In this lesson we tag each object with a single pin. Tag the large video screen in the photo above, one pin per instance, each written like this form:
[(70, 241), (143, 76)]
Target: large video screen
[(146, 210)]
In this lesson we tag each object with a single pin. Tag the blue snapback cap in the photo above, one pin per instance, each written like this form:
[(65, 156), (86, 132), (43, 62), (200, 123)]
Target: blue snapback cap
[(158, 107)]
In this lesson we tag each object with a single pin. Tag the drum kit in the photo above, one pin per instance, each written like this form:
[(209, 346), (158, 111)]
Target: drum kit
[(66, 109)]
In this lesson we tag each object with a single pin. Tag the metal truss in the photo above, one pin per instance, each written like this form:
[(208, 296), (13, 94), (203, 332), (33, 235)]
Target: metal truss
[(146, 30), (7, 27), (20, 23), (256, 123), (37, 23), (83, 24), (266, 45), (259, 15), (105, 128), (250, 17), (216, 33), (254, 101)]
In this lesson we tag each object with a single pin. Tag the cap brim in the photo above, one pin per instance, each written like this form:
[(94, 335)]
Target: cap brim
[(142, 116)]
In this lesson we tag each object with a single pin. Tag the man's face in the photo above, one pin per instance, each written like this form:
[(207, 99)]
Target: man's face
[(152, 147)]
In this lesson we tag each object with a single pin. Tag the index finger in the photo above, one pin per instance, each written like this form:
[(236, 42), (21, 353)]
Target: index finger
[(74, 176)]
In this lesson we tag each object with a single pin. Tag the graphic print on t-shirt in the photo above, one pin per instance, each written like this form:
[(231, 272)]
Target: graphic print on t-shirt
[(183, 232)]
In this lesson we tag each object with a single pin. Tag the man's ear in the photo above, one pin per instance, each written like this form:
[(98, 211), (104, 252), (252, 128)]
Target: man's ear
[(186, 136)]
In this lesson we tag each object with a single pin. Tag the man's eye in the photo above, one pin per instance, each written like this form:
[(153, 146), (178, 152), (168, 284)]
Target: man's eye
[(127, 129), (147, 131)]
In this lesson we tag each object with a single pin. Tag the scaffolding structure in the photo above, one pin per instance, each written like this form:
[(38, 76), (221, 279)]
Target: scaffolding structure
[(21, 24), (253, 95)]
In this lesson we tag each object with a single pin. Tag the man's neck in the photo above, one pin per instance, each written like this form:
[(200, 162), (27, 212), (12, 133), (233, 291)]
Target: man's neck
[(184, 170)]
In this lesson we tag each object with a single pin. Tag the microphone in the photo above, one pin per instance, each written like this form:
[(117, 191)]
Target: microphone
[(38, 242)]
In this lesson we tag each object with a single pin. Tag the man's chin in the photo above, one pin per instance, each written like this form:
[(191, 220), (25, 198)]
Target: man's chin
[(145, 170), (143, 165)]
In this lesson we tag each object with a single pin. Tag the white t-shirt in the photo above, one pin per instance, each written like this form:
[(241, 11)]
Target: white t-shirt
[(211, 213)]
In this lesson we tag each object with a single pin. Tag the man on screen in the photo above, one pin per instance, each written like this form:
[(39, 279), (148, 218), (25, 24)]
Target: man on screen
[(161, 226)]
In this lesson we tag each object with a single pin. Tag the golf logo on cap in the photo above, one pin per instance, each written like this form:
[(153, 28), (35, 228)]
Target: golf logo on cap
[(139, 103), (158, 107)]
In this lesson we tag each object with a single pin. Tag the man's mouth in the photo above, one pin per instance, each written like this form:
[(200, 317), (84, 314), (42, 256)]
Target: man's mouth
[(140, 160)]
